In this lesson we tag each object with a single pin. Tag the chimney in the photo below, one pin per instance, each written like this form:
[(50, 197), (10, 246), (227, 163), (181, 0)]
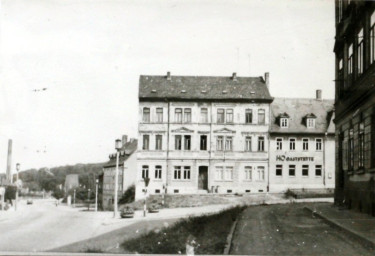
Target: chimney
[(234, 77), (9, 163), (267, 79), (168, 75), (124, 139), (318, 94)]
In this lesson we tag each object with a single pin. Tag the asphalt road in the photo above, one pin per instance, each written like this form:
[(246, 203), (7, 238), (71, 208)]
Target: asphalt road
[(290, 230)]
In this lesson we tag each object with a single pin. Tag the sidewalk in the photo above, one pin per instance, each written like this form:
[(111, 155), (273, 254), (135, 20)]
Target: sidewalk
[(359, 225)]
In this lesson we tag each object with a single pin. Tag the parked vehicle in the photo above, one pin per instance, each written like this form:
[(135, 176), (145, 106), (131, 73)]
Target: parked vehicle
[(127, 212), (29, 201)]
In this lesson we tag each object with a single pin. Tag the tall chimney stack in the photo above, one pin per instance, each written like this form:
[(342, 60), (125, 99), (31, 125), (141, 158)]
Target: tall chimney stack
[(168, 75), (318, 94), (9, 162), (267, 79), (124, 139)]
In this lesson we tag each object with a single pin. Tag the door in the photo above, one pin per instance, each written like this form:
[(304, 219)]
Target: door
[(203, 178)]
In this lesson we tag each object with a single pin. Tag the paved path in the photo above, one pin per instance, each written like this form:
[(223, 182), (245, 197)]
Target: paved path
[(290, 230)]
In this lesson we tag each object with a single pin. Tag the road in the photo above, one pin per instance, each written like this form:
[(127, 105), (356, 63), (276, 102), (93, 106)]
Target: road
[(43, 226), (290, 230)]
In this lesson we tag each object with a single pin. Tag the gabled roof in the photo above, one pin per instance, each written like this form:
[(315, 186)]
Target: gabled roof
[(311, 115), (298, 109), (125, 152), (203, 87), (284, 115)]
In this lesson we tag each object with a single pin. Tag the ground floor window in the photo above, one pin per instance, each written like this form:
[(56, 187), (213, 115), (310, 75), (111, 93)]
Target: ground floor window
[(292, 170), (144, 171), (177, 172), (224, 173), (158, 172), (305, 170), (248, 172), (187, 173), (260, 172), (318, 170), (279, 170)]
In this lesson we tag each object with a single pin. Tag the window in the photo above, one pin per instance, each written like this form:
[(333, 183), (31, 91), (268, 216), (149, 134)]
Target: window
[(144, 171), (261, 143), (292, 144), (187, 173), (159, 115), (350, 63), (158, 172), (178, 115), (158, 142), (284, 122), (249, 116), (187, 115), (341, 78), (219, 143), (260, 172), (372, 38), (204, 115), (229, 114), (228, 173), (305, 170), (292, 170), (360, 52), (310, 122), (146, 115), (318, 143), (177, 142), (228, 143), (361, 141), (279, 144), (220, 115), (203, 142), (219, 175), (351, 150), (248, 172), (248, 143), (305, 144), (177, 173), (279, 170), (261, 116), (318, 170), (146, 142), (187, 142)]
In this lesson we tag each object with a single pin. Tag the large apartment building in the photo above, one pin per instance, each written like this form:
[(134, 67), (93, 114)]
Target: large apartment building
[(355, 104), (202, 134)]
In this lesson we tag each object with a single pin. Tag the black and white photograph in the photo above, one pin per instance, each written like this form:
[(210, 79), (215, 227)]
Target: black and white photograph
[(187, 127)]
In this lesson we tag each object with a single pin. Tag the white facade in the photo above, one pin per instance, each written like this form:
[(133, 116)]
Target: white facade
[(204, 149)]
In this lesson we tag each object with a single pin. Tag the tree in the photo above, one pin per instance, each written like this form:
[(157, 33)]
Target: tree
[(58, 193), (128, 196)]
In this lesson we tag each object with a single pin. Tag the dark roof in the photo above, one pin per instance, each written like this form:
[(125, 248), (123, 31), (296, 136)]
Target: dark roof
[(203, 87), (125, 152), (298, 110)]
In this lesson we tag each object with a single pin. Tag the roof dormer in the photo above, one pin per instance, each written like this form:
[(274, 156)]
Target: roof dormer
[(310, 120), (284, 120)]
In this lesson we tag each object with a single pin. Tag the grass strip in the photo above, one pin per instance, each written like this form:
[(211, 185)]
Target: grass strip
[(207, 234)]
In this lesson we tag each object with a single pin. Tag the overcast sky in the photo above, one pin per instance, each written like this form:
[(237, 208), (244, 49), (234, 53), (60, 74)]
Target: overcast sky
[(89, 55)]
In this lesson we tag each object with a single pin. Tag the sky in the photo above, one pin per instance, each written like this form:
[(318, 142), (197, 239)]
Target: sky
[(89, 54)]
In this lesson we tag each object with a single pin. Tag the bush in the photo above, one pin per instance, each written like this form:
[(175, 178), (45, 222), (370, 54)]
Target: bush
[(289, 193), (10, 193), (58, 193), (128, 196)]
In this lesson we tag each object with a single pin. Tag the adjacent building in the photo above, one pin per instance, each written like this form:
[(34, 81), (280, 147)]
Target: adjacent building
[(302, 144), (355, 104), (127, 172), (203, 134)]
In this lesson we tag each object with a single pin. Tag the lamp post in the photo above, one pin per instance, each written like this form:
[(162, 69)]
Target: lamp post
[(96, 194), (118, 147), (18, 166)]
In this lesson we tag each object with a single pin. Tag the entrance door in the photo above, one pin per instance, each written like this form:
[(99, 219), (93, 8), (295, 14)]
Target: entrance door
[(203, 178)]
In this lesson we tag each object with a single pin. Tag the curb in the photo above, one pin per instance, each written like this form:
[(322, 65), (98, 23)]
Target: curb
[(230, 236), (362, 239)]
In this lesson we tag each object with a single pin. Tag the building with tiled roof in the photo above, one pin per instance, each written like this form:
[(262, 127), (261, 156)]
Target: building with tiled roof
[(127, 172), (203, 134), (302, 144)]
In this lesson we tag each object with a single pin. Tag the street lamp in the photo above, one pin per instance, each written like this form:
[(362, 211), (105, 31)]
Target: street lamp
[(96, 194), (18, 166), (118, 147)]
